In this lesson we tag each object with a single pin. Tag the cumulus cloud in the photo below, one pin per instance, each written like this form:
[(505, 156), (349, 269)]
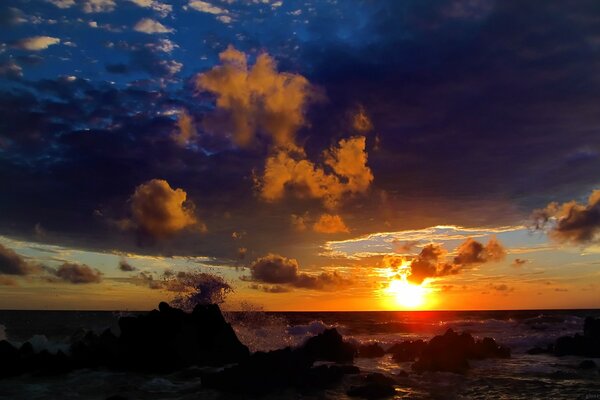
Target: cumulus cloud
[(150, 26), (431, 261), (328, 223), (98, 6), (206, 7), (12, 263), (256, 99), (161, 8), (298, 222), (571, 222), (77, 273), (159, 211), (518, 262), (62, 3), (125, 266), (279, 270), (284, 172), (186, 130), (10, 69), (37, 43), (473, 252), (270, 288)]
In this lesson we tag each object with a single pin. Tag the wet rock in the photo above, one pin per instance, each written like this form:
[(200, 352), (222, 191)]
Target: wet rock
[(329, 346), (372, 350), (171, 339), (450, 352), (266, 372), (586, 345), (372, 391), (408, 350), (587, 364)]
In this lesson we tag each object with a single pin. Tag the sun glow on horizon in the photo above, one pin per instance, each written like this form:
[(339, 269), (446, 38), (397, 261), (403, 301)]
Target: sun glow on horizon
[(401, 292)]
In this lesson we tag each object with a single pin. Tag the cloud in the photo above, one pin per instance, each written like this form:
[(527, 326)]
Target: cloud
[(7, 281), (10, 69), (270, 288), (37, 43), (256, 100), (279, 270), (125, 266), (518, 262), (431, 261), (163, 45), (160, 211), (361, 121), (571, 222), (150, 26), (298, 222), (328, 223), (62, 3), (161, 8), (284, 172), (77, 273), (12, 263), (206, 7), (473, 252), (186, 130), (98, 6)]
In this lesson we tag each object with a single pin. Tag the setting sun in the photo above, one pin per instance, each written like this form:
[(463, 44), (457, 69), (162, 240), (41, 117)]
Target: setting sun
[(407, 294)]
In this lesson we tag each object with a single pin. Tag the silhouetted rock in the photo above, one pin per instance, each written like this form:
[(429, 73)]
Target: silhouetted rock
[(450, 352), (586, 345), (408, 350), (587, 364), (372, 350), (265, 372), (171, 339), (376, 386), (329, 346)]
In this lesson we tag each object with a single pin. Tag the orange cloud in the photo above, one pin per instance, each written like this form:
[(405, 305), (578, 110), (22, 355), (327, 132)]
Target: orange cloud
[(257, 98), (328, 223), (159, 211), (283, 172), (186, 131), (361, 121)]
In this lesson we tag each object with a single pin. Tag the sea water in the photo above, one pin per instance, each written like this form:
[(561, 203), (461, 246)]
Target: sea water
[(523, 376)]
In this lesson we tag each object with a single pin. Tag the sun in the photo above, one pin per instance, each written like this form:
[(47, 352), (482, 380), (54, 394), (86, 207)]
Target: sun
[(407, 294)]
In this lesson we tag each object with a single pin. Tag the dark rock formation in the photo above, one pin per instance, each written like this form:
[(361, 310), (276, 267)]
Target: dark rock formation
[(408, 350), (171, 339), (372, 350), (376, 386), (450, 352), (587, 364), (265, 372), (586, 345), (162, 340)]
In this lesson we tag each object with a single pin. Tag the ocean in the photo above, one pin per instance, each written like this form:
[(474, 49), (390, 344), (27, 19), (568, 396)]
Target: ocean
[(523, 376)]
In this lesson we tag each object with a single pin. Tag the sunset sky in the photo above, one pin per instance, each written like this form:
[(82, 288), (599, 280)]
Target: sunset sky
[(317, 155)]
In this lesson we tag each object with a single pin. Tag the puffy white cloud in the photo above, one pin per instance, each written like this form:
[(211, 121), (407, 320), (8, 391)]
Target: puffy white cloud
[(37, 43), (150, 26)]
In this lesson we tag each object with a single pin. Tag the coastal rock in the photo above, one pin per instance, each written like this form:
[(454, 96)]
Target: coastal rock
[(372, 350), (587, 364), (586, 345), (408, 350), (376, 386), (265, 372), (329, 346), (450, 352), (170, 339)]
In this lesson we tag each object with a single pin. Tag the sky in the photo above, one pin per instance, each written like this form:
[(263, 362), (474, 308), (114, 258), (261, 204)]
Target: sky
[(314, 155)]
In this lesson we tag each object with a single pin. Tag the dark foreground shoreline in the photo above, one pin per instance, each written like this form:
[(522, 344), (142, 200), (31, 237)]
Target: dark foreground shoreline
[(203, 345)]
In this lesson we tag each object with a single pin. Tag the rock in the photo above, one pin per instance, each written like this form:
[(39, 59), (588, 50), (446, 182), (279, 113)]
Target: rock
[(586, 345), (329, 346), (10, 359), (451, 352), (408, 350), (171, 339), (372, 390), (540, 350), (587, 364), (266, 372), (372, 350)]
